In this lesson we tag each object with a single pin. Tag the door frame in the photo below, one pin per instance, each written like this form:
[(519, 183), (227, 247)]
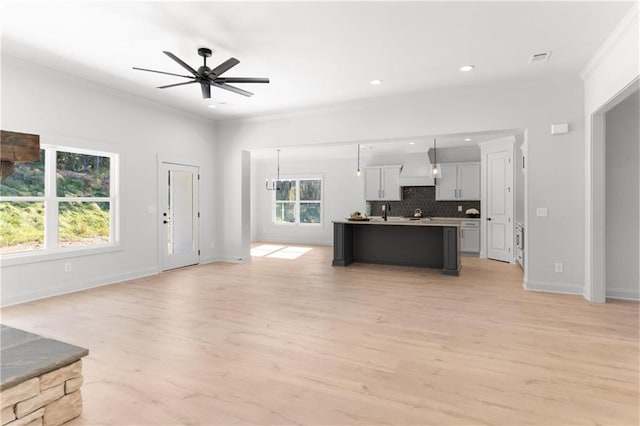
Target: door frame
[(595, 238), (179, 160), (498, 145)]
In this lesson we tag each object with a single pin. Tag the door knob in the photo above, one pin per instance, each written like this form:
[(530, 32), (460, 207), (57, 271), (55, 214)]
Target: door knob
[(488, 218), (165, 221)]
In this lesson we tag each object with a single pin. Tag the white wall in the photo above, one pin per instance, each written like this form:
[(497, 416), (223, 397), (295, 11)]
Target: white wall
[(343, 193), (622, 199), (556, 163), (614, 67), (61, 107)]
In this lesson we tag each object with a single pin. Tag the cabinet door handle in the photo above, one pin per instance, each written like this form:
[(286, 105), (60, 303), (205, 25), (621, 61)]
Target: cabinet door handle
[(460, 193)]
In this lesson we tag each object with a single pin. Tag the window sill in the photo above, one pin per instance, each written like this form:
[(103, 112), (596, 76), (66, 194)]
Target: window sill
[(14, 259)]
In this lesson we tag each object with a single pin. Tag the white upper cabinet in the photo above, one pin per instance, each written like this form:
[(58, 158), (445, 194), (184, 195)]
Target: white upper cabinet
[(469, 181), (447, 185), (382, 183), (459, 182)]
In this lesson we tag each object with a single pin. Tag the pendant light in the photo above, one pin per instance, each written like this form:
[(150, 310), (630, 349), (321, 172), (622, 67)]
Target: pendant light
[(275, 184), (436, 171), (358, 171)]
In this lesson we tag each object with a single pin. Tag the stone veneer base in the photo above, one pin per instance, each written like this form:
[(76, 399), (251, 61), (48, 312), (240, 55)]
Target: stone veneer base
[(41, 379), (51, 399)]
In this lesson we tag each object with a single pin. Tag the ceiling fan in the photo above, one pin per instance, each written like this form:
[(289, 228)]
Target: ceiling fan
[(208, 77)]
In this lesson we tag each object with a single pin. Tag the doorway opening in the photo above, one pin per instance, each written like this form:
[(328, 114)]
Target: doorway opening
[(614, 240)]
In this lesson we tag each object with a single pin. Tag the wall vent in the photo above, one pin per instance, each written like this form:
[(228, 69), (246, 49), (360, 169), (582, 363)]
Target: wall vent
[(540, 57)]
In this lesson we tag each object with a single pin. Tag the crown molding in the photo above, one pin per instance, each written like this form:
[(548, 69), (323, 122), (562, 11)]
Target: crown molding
[(624, 26)]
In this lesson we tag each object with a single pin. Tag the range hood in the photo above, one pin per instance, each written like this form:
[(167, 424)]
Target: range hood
[(416, 170)]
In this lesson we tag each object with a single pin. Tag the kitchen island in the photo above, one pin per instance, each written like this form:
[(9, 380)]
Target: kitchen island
[(398, 241)]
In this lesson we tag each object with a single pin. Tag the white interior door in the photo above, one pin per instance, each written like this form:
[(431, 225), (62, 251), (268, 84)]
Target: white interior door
[(499, 210), (179, 214)]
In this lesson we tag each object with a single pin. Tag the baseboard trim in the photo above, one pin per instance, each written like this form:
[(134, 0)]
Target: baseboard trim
[(547, 287), (622, 293), (80, 286)]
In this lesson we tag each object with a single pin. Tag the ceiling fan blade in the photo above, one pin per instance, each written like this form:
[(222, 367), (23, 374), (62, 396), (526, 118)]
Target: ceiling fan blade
[(231, 88), (206, 90), (241, 80), (181, 62), (177, 84), (162, 72), (224, 67)]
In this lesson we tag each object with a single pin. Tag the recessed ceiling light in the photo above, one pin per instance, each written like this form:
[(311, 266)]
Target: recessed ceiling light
[(376, 82), (466, 68), (212, 106), (412, 143), (467, 139)]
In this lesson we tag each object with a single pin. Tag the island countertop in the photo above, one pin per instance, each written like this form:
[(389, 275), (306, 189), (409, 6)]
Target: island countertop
[(404, 221)]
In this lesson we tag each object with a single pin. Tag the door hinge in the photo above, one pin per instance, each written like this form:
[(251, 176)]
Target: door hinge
[(198, 176), (198, 214), (199, 252)]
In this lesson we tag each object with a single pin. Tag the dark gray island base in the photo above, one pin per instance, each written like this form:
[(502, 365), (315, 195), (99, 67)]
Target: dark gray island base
[(430, 245)]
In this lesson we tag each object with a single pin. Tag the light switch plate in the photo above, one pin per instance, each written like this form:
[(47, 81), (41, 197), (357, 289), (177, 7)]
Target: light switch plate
[(542, 212), (560, 129)]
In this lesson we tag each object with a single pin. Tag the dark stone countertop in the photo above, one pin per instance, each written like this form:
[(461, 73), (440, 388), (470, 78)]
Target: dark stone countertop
[(26, 355)]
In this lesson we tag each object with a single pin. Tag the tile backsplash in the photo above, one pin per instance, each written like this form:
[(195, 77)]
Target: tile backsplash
[(424, 198)]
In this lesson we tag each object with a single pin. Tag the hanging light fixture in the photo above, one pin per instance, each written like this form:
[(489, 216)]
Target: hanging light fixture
[(436, 171), (275, 184), (358, 171)]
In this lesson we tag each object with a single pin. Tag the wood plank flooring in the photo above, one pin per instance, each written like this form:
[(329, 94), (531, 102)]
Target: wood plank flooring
[(279, 341)]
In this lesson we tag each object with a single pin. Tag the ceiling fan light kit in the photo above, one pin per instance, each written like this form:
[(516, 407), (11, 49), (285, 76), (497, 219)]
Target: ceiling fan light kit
[(208, 77)]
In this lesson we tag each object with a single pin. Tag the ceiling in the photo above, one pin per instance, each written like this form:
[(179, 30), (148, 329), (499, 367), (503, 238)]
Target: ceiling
[(315, 53)]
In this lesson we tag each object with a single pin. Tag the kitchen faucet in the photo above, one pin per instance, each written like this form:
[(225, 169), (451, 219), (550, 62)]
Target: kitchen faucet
[(386, 207)]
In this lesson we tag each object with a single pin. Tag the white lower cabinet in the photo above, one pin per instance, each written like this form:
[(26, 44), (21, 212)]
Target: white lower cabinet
[(470, 237), (382, 183)]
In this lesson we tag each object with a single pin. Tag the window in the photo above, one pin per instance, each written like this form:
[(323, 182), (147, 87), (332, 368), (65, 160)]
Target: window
[(298, 201), (66, 199)]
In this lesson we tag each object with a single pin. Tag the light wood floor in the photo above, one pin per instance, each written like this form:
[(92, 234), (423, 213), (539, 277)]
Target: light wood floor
[(300, 342)]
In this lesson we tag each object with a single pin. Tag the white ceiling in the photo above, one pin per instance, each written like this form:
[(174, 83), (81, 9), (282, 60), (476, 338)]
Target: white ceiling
[(315, 53)]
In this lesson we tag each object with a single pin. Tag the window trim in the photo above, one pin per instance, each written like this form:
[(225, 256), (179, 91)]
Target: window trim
[(51, 250), (296, 203)]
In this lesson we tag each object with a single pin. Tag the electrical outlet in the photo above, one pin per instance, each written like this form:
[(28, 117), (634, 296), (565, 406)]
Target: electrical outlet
[(67, 267), (559, 267), (459, 208)]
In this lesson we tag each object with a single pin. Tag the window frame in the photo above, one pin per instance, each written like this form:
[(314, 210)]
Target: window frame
[(51, 200), (297, 202)]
